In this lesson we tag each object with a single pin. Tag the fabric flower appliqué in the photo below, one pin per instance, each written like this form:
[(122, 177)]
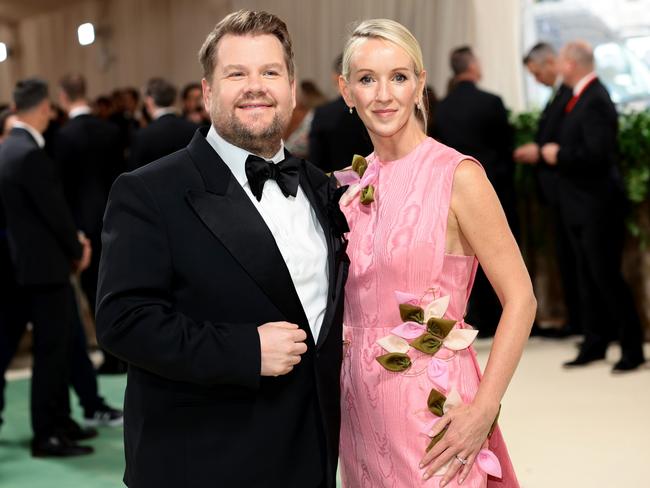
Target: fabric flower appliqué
[(425, 329), (360, 178)]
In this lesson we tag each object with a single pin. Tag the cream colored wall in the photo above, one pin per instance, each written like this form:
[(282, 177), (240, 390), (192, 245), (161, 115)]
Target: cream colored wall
[(138, 39)]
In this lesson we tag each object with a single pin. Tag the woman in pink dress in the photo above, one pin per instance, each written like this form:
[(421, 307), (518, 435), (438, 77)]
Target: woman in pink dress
[(415, 409)]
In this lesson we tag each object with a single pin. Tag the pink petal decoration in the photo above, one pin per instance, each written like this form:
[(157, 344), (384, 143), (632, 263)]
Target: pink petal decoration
[(403, 297), (489, 463), (444, 354), (349, 195), (428, 426), (370, 175), (438, 371), (459, 339), (346, 177), (453, 400), (437, 308), (392, 343), (409, 330)]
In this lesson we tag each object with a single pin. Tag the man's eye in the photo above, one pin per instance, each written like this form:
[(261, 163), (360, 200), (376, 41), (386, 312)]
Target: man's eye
[(235, 74), (271, 73)]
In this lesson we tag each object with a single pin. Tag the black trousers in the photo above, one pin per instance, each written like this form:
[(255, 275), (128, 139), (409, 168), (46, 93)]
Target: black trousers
[(50, 309), (566, 261), (607, 305)]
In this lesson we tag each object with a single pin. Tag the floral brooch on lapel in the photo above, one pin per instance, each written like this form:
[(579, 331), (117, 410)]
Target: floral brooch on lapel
[(361, 178), (425, 329)]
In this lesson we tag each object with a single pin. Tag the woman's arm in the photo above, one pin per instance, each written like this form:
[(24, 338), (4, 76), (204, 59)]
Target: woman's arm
[(482, 223)]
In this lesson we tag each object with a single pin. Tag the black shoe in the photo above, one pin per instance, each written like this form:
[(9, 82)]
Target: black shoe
[(58, 446), (585, 358), (626, 365), (75, 432), (104, 416)]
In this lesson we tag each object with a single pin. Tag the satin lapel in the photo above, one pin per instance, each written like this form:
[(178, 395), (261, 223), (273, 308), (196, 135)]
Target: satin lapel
[(231, 217), (321, 213)]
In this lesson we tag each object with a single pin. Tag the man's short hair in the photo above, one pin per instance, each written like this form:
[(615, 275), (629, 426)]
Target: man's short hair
[(460, 59), (29, 93), (161, 91), (242, 23), (539, 52), (74, 86), (188, 88)]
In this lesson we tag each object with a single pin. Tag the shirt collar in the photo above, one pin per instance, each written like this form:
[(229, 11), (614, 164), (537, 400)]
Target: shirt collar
[(77, 111), (38, 137), (159, 112), (235, 157), (577, 89)]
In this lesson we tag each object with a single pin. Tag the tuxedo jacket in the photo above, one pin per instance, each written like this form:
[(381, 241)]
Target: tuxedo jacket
[(161, 137), (475, 122), (589, 182), (336, 136), (547, 131), (87, 151), (41, 232), (188, 272)]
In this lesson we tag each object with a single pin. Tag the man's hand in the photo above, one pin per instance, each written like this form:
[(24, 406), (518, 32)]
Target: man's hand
[(527, 154), (83, 263), (281, 344), (549, 153)]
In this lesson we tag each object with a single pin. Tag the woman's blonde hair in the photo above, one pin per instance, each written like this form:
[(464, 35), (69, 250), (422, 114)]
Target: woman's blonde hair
[(391, 31)]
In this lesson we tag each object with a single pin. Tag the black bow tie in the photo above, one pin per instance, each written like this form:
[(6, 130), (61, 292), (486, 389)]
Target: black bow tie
[(285, 173)]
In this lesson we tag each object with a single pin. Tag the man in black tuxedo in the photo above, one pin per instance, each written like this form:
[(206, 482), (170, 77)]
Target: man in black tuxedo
[(337, 133), (167, 132), (45, 248), (87, 150), (223, 289), (89, 154), (541, 62), (475, 122), (592, 203)]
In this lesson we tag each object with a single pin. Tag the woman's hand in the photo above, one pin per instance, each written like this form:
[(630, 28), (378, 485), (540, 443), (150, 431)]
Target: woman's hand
[(467, 426)]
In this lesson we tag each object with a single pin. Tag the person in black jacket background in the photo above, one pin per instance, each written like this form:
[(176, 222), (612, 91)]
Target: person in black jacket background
[(337, 133), (592, 204), (167, 132), (45, 249), (542, 63), (475, 123)]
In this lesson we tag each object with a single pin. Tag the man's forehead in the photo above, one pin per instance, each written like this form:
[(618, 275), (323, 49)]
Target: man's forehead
[(230, 41)]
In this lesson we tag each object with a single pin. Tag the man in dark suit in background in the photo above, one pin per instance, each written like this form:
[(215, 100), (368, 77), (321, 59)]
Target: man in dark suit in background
[(167, 132), (192, 104), (592, 203), (337, 133), (45, 249), (87, 151), (541, 62), (221, 284), (475, 122)]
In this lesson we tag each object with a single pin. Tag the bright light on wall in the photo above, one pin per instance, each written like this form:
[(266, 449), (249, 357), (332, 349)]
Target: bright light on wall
[(86, 34), (3, 52)]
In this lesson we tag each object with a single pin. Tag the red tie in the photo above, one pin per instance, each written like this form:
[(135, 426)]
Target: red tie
[(574, 99)]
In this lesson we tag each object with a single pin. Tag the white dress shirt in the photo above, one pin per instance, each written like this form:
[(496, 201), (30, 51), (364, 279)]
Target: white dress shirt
[(295, 228), (38, 137), (80, 110)]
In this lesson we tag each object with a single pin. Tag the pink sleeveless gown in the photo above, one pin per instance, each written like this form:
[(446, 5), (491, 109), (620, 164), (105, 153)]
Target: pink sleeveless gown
[(397, 243)]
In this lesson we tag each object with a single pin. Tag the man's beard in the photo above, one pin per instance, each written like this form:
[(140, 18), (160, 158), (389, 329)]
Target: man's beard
[(265, 143)]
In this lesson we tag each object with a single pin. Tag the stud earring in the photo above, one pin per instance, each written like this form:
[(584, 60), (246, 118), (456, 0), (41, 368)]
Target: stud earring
[(351, 110)]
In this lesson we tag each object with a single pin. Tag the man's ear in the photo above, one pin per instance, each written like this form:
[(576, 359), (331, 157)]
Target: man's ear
[(207, 94)]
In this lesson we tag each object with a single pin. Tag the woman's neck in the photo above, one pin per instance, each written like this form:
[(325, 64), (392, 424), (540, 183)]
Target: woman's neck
[(398, 145)]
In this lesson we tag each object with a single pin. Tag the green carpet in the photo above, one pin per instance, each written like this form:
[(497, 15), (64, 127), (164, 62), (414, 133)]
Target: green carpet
[(18, 469)]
